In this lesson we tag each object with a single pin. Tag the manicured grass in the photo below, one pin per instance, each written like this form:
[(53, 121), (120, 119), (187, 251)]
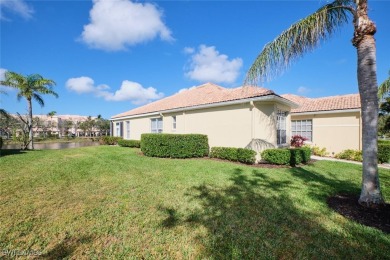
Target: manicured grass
[(111, 202)]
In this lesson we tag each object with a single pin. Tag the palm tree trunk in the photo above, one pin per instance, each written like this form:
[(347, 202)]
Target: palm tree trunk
[(368, 88), (30, 125)]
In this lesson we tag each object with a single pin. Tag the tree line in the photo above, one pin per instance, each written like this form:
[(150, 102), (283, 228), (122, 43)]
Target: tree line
[(32, 87)]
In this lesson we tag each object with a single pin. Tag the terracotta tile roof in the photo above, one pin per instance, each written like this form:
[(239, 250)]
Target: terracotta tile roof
[(351, 101), (204, 94)]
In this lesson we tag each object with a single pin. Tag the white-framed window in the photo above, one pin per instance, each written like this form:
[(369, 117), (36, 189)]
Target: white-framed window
[(128, 129), (281, 125), (303, 128), (156, 125), (117, 129), (174, 123)]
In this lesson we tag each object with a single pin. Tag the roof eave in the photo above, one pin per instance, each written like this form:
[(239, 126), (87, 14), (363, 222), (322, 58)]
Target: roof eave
[(335, 111), (269, 97)]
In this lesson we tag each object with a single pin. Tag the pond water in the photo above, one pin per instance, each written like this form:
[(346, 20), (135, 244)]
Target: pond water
[(52, 146)]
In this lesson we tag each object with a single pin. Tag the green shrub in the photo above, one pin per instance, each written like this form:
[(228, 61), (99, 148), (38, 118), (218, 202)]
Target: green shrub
[(1, 142), (276, 156), (175, 145), (292, 156), (306, 154), (247, 156), (316, 150), (129, 143), (224, 153), (350, 154), (109, 140), (383, 152), (242, 155)]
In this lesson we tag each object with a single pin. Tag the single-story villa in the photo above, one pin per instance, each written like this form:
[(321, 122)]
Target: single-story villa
[(252, 117), (331, 122)]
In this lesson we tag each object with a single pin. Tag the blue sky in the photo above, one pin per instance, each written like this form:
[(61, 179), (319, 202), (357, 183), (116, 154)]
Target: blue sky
[(109, 56)]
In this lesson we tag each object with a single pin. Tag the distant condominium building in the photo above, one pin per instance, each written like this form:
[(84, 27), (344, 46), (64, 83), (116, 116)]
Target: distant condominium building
[(59, 125)]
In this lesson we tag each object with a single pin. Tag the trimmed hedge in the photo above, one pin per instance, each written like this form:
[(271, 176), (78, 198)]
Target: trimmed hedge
[(246, 156), (129, 143), (293, 156), (224, 153), (276, 156), (384, 152), (110, 140), (242, 155), (175, 145)]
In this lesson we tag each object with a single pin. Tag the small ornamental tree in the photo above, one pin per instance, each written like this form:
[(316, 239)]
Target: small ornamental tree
[(297, 141)]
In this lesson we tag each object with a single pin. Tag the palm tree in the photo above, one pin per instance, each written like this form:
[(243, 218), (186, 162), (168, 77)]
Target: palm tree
[(3, 112), (30, 87), (304, 36), (384, 88), (51, 114)]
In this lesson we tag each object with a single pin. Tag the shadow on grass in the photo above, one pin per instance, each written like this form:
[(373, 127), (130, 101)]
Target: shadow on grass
[(66, 247), (5, 152), (331, 183), (259, 217)]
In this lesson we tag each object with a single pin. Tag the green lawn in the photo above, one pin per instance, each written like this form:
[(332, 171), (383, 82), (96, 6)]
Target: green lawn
[(111, 202)]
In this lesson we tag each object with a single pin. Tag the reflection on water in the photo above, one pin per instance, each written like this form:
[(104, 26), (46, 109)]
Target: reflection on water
[(52, 146)]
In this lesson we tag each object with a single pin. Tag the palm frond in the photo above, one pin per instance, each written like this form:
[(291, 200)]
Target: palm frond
[(4, 113), (384, 88), (39, 99), (300, 38), (19, 96), (12, 79)]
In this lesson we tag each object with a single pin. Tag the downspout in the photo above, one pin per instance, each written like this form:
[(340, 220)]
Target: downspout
[(251, 107), (184, 122)]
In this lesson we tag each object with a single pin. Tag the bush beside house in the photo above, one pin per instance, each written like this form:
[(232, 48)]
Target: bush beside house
[(175, 145), (129, 143), (384, 152), (109, 140), (292, 156), (350, 154), (242, 155)]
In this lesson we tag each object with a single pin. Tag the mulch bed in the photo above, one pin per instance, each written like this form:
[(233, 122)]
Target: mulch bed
[(347, 205)]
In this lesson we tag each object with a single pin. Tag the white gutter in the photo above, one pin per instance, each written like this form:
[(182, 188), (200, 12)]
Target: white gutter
[(326, 112), (271, 97)]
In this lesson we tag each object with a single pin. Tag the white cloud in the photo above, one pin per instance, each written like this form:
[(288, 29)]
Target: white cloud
[(81, 85), (189, 50), (19, 7), (134, 92), (129, 90), (185, 89), (114, 25), (303, 90), (2, 72), (209, 65)]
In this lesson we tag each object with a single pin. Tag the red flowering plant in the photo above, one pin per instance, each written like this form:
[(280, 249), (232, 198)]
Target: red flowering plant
[(297, 141)]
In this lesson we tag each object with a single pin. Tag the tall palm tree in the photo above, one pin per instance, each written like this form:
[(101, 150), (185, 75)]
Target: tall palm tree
[(30, 87), (384, 88), (304, 36)]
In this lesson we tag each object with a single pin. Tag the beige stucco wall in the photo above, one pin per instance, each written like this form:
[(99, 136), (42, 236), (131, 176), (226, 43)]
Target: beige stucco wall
[(335, 131), (225, 126), (229, 126)]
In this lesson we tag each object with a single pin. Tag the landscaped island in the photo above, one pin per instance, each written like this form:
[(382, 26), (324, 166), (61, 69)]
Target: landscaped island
[(113, 202)]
